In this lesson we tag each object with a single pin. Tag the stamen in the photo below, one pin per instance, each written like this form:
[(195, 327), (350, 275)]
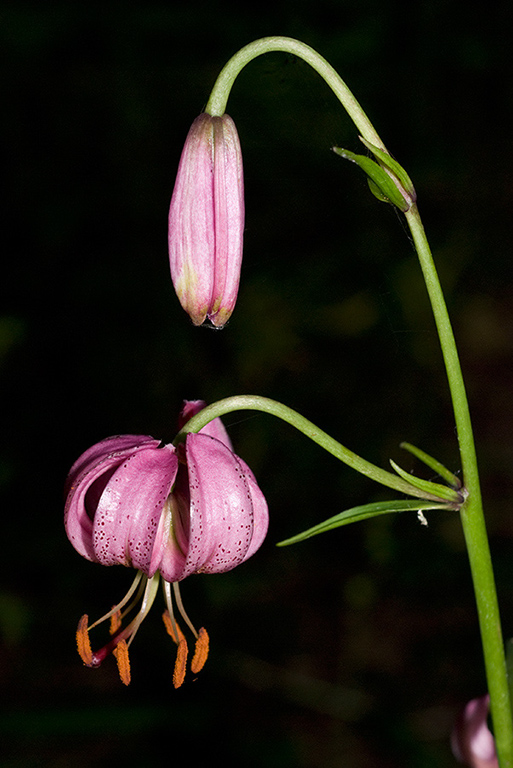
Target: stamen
[(202, 641), (124, 601), (181, 661), (172, 627), (118, 644), (178, 598), (115, 622), (138, 595), (83, 642), (122, 637), (147, 601), (200, 651), (123, 661), (175, 629)]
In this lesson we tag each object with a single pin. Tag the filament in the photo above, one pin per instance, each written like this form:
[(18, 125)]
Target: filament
[(136, 582)]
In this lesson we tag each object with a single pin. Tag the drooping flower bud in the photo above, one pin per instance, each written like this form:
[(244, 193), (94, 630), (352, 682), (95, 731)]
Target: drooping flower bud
[(206, 221)]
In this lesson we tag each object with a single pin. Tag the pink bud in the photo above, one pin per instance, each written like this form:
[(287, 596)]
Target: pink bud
[(206, 220), (471, 740)]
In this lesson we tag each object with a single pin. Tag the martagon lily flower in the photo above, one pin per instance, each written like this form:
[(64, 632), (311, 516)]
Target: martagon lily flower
[(206, 221), (168, 512)]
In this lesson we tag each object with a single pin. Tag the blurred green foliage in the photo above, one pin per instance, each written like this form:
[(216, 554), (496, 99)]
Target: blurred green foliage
[(355, 648)]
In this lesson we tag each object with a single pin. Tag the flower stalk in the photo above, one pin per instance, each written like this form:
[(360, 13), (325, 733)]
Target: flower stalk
[(430, 491), (219, 97)]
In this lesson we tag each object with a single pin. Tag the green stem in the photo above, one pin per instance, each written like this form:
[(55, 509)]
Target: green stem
[(472, 516), (218, 98), (265, 405)]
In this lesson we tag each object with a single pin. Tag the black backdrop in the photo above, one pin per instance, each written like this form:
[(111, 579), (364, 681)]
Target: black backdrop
[(354, 649)]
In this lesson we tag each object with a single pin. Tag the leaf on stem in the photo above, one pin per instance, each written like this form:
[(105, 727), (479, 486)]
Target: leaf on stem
[(363, 512), (384, 185), (433, 464), (437, 489), (388, 161)]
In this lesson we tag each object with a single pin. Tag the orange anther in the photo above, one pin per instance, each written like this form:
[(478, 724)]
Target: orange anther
[(123, 662), (115, 622), (200, 651), (83, 643), (171, 625), (181, 661)]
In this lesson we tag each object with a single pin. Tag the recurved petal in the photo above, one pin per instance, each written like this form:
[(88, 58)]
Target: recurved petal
[(214, 428), (260, 511), (126, 522), (228, 219), (191, 231), (221, 508), (212, 512), (110, 446), (86, 480)]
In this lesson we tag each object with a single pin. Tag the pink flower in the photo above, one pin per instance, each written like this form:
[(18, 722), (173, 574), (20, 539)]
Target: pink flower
[(167, 512), (206, 221), (471, 740)]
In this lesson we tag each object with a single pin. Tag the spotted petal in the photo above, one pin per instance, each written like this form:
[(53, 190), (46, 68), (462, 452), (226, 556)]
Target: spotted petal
[(260, 511), (86, 480), (220, 514), (126, 521)]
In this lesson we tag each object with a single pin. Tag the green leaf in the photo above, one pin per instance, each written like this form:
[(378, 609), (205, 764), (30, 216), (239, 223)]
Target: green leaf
[(397, 169), (442, 491), (385, 184), (433, 464), (363, 512), (376, 191)]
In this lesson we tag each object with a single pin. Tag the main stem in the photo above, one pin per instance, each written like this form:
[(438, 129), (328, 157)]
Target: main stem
[(472, 516)]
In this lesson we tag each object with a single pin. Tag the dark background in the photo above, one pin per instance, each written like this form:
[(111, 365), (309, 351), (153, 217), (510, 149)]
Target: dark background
[(353, 649)]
